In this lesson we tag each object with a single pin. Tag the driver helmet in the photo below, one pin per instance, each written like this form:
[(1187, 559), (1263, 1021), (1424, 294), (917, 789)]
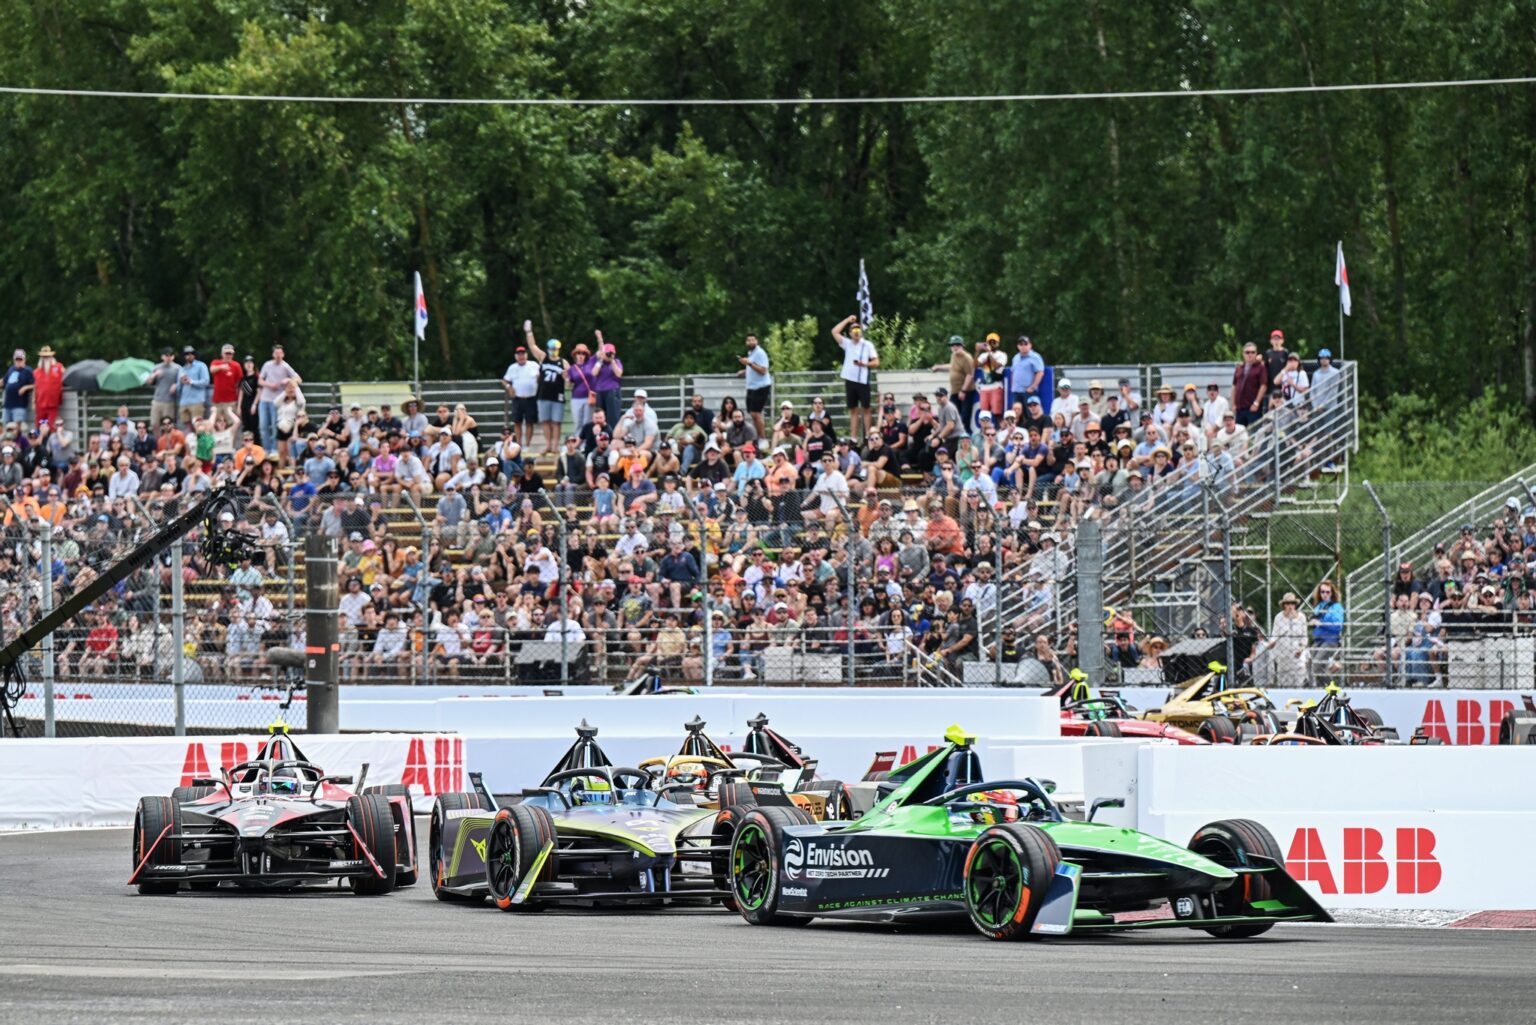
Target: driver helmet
[(694, 774), (283, 781), (1006, 807), (591, 790)]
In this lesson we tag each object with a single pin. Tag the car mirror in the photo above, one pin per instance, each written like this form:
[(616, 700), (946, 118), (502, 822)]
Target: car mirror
[(205, 781), (1104, 802), (345, 781)]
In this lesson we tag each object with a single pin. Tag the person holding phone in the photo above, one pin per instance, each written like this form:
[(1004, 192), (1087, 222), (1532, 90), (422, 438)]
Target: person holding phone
[(608, 379)]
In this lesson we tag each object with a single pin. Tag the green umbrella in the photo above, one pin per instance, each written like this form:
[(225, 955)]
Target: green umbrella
[(125, 374)]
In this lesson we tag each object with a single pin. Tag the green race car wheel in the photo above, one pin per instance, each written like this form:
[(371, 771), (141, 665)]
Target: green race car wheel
[(754, 874), (517, 836), (1007, 874)]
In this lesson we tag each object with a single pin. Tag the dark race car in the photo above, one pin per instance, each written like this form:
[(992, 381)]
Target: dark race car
[(944, 841), (1335, 721), (275, 822)]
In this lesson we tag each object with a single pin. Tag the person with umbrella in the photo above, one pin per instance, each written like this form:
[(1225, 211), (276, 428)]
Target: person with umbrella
[(193, 388), (227, 375), (164, 378), (49, 393)]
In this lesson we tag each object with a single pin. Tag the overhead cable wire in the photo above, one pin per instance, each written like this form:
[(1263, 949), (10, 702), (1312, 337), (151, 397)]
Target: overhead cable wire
[(794, 101)]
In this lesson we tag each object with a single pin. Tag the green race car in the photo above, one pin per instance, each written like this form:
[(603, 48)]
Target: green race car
[(943, 841)]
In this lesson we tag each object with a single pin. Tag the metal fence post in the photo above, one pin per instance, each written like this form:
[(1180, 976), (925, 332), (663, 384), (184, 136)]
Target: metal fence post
[(851, 592), (709, 626), (565, 608), (1386, 566), (1090, 601), (49, 723), (1227, 598), (997, 602), (178, 639)]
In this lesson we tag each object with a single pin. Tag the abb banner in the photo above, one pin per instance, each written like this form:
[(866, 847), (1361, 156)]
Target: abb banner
[(1462, 717), (98, 781), (1408, 828)]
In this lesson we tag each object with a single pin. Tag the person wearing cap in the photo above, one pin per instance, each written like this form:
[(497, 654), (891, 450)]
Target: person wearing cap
[(711, 469), (580, 376), (1213, 409), (638, 426), (1274, 359), (748, 467), (1286, 649), (1065, 403), (754, 367), (553, 371), (788, 429), (991, 375), (48, 386), (164, 379), (962, 379), (225, 375), (1325, 381), (608, 379), (521, 383), (831, 487), (1026, 373), (859, 358), (272, 387)]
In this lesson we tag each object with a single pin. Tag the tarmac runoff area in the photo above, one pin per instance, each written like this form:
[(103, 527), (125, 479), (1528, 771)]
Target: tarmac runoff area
[(76, 945)]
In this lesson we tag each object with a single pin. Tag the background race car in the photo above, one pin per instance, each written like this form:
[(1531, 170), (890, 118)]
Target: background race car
[(275, 822)]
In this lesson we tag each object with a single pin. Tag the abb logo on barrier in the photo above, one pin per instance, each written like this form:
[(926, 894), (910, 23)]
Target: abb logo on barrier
[(1469, 722), (1366, 868), (442, 773)]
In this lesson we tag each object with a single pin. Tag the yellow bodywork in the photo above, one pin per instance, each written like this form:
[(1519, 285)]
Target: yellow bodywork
[(1188, 710)]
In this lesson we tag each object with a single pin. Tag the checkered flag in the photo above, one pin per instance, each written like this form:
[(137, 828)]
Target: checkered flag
[(866, 307)]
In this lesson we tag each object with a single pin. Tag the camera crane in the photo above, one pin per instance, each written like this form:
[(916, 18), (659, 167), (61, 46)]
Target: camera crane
[(220, 546)]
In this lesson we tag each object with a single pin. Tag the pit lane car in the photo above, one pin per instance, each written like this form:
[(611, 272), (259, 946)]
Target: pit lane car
[(1218, 713), (275, 822), (1083, 715), (948, 843), (591, 833)]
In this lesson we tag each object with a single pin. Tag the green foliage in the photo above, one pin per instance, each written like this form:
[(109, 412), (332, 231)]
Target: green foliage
[(792, 345), (900, 344), (1410, 437)]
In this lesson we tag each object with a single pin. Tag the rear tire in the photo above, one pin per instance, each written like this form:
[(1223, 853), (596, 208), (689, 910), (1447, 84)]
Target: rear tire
[(755, 860), (1229, 842), (1370, 717), (1517, 727), (374, 822), (839, 805), (721, 836), (1008, 873), (1218, 730), (1102, 728), (517, 835), (186, 795), (437, 865), (154, 814), (732, 795)]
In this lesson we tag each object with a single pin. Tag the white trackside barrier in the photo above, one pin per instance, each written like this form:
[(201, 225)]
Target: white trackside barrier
[(1382, 827), (98, 781), (1462, 717)]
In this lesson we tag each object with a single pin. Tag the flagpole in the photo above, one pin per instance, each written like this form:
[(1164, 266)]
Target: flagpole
[(1341, 332)]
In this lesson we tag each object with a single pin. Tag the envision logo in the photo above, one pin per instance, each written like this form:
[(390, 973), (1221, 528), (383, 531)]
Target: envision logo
[(814, 859), (794, 858)]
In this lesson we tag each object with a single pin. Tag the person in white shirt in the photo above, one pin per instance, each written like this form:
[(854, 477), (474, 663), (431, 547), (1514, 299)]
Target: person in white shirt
[(1065, 402), (1325, 380), (638, 426), (124, 483), (352, 602), (830, 488), (632, 543), (389, 646), (569, 628), (1233, 435), (521, 382), (1166, 410), (543, 560), (1293, 382), (859, 358), (1216, 406)]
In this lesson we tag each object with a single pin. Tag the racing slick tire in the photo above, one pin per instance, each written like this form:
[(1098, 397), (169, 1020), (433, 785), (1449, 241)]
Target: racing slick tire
[(373, 821), (1218, 730), (754, 867), (839, 806), (736, 795), (153, 816), (1229, 842), (405, 877), (437, 864), (1517, 727), (1370, 717), (186, 795), (720, 861), (518, 834), (1102, 728), (1008, 873)]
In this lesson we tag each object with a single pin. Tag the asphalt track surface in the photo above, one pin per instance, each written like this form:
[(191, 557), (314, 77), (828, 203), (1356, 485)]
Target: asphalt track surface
[(76, 945)]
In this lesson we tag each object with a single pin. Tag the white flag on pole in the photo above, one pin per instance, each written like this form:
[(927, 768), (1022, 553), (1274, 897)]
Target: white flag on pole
[(866, 305), (1341, 278), (421, 309)]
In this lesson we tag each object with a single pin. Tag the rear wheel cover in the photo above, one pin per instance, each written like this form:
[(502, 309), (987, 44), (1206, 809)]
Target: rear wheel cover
[(997, 884)]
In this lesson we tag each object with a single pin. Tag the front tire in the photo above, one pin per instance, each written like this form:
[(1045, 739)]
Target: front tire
[(405, 837), (371, 817), (1218, 730), (1008, 873), (154, 814), (756, 862), (1229, 842), (517, 835), (1102, 728)]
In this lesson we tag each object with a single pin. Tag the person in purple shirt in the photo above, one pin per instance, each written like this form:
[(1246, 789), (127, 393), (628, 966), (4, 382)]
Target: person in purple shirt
[(579, 375), (607, 378)]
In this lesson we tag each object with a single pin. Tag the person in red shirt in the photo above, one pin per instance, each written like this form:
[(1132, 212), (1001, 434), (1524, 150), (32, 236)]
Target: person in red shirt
[(226, 373), (49, 390), (100, 647)]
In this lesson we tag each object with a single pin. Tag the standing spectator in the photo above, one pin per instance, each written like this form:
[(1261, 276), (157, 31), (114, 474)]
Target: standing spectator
[(550, 393), (250, 392), (1274, 359), (1026, 373), (1214, 409), (192, 387), (1287, 645), (754, 367), (962, 379), (289, 419), (1292, 382), (1325, 380), (226, 375), (521, 382), (991, 375), (48, 379), (1327, 625), (165, 379), (275, 374), (859, 358), (583, 398), (608, 379), (1249, 386)]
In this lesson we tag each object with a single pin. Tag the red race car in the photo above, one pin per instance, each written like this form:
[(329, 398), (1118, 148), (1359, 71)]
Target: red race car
[(1083, 715), (275, 823)]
